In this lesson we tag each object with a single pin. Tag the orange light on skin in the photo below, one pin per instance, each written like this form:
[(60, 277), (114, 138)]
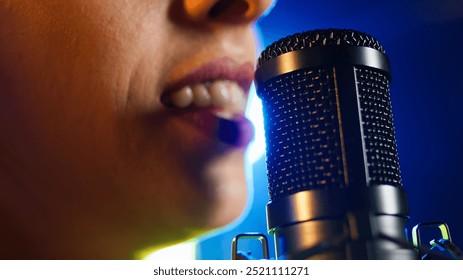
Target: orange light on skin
[(196, 8), (250, 9)]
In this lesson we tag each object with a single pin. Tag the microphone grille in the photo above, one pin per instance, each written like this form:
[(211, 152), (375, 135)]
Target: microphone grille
[(306, 135), (302, 132), (320, 37)]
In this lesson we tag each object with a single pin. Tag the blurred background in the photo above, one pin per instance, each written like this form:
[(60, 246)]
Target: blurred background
[(424, 42)]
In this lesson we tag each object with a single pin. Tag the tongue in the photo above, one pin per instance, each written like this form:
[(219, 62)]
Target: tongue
[(236, 131)]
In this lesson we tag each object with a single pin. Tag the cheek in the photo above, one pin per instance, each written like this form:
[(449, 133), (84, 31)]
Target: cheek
[(65, 85), (72, 105)]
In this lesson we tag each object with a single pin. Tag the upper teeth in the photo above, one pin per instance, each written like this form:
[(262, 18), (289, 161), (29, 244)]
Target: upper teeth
[(222, 93)]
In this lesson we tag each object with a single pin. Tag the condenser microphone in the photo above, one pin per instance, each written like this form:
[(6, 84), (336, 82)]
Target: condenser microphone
[(334, 181)]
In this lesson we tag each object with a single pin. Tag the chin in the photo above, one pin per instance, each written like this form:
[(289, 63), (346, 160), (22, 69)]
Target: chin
[(229, 188), (200, 185)]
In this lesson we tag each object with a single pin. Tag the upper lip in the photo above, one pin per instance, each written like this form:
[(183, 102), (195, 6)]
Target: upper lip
[(218, 69)]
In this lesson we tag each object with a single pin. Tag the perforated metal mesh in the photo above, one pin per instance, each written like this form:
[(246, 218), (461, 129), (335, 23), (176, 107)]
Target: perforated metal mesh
[(302, 126), (378, 127), (302, 131)]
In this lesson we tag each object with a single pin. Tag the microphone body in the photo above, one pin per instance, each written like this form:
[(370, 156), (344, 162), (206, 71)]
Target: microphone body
[(334, 179)]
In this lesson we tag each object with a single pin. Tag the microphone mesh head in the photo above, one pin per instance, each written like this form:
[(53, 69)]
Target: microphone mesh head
[(318, 38), (302, 126)]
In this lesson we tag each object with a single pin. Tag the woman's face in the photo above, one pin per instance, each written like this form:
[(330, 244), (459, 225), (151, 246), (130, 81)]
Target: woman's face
[(108, 119)]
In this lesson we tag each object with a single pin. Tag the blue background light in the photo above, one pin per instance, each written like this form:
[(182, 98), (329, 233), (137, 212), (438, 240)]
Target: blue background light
[(424, 42)]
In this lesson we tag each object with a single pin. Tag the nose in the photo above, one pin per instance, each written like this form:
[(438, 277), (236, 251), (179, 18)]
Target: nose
[(226, 10)]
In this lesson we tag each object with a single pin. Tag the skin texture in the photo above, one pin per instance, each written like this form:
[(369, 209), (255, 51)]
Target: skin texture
[(92, 164)]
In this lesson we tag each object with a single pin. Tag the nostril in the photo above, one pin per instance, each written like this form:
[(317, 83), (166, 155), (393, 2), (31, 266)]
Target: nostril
[(225, 8)]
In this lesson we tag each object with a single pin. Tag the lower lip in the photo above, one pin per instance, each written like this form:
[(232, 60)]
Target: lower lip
[(237, 132)]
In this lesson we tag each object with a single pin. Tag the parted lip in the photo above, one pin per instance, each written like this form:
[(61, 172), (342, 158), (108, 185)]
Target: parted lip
[(217, 69), (236, 131)]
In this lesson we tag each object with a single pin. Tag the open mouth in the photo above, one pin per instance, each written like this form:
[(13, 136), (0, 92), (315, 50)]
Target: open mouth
[(224, 94), (217, 108)]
